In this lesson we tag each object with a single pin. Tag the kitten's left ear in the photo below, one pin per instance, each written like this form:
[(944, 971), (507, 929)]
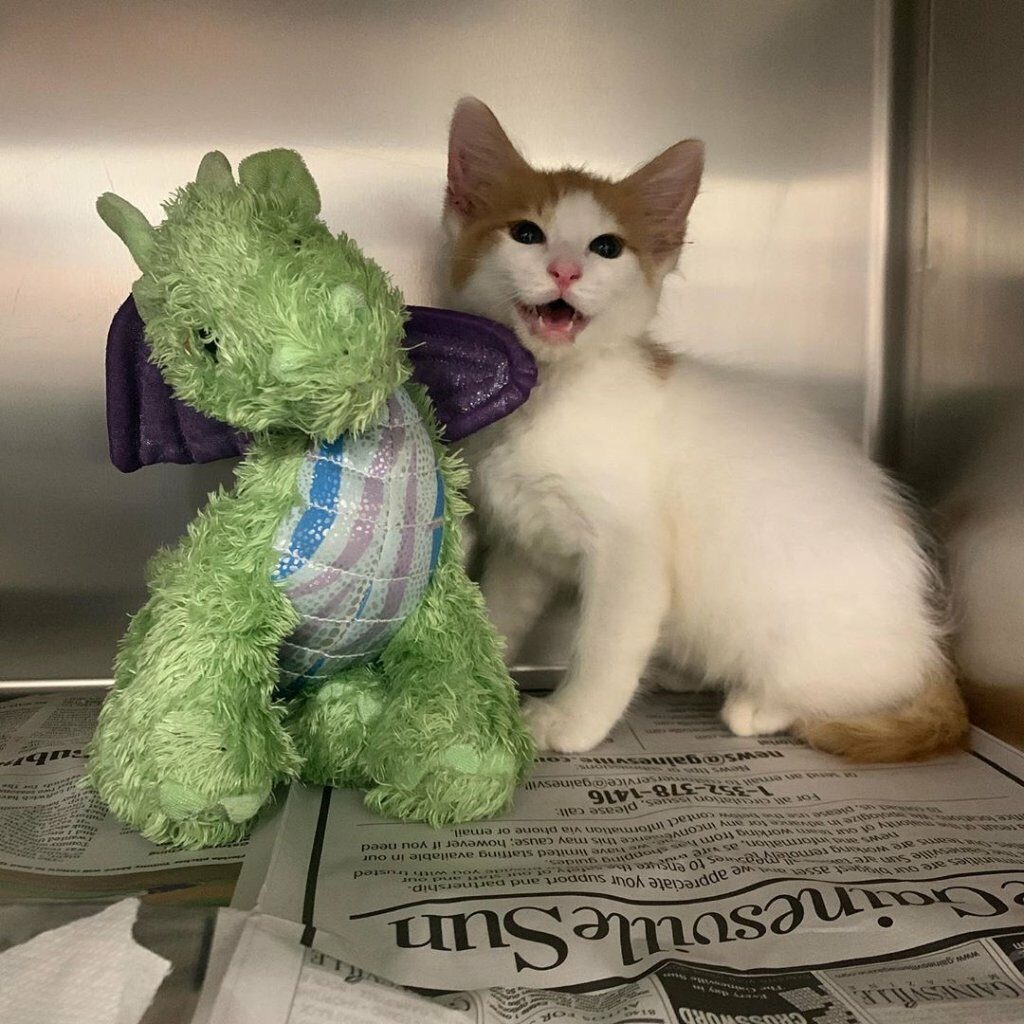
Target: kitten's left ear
[(666, 187)]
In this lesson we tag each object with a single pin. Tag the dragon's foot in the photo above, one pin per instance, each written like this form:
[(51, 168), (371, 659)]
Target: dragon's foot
[(444, 768), (331, 724), (189, 778)]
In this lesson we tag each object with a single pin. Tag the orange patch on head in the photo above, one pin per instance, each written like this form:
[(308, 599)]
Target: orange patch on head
[(491, 186), (522, 194), (641, 233), (527, 194)]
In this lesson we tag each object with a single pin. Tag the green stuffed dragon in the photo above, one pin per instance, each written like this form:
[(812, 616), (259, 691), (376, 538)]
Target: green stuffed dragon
[(316, 621)]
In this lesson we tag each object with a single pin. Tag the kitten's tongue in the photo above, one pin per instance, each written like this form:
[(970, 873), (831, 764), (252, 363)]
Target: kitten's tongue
[(556, 322)]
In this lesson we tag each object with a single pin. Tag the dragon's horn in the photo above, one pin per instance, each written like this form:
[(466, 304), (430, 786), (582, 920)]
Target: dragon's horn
[(129, 224), (215, 172), (282, 172)]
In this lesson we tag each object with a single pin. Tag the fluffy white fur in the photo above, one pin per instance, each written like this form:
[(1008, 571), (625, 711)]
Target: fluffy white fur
[(745, 540)]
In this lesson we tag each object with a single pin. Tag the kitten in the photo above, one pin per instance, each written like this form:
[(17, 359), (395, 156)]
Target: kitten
[(745, 541)]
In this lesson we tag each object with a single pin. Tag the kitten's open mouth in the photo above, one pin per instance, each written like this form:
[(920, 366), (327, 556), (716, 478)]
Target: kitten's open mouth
[(556, 322)]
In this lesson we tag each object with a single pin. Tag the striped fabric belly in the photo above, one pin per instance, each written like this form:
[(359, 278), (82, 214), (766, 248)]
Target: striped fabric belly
[(358, 550)]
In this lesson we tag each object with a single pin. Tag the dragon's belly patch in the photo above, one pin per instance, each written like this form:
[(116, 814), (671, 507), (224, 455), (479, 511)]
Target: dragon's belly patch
[(358, 550)]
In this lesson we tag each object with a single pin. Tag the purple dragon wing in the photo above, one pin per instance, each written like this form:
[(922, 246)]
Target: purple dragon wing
[(146, 424), (474, 370)]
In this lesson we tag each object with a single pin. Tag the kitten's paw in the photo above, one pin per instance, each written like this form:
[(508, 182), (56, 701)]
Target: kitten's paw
[(562, 728), (747, 717)]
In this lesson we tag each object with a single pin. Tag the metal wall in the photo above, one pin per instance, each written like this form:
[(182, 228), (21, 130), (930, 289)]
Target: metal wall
[(962, 437), (783, 272), (964, 367)]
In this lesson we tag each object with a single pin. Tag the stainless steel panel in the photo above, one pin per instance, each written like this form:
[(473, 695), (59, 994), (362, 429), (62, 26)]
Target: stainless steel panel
[(965, 358), (182, 935), (783, 272), (963, 397)]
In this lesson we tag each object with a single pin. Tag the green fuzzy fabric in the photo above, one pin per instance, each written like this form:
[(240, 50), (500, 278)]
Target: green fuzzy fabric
[(257, 315)]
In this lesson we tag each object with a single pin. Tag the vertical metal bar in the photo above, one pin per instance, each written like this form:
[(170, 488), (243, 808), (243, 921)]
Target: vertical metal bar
[(901, 41), (880, 242)]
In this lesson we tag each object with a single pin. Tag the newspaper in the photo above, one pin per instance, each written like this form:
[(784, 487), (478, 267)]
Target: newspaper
[(271, 978), (676, 873), (58, 840)]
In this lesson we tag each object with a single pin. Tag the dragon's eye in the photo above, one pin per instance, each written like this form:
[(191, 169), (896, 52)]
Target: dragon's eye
[(296, 243), (209, 342)]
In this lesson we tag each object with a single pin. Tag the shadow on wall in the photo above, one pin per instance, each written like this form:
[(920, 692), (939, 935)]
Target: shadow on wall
[(983, 516), (77, 533)]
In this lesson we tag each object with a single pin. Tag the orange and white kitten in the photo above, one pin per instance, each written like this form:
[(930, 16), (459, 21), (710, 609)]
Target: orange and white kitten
[(748, 542)]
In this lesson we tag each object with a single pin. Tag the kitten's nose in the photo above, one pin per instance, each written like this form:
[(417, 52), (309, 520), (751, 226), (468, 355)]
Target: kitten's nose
[(565, 272)]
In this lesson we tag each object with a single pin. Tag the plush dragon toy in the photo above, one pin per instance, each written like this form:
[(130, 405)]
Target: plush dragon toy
[(315, 622)]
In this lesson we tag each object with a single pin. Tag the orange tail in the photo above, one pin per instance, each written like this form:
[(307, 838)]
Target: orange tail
[(932, 723)]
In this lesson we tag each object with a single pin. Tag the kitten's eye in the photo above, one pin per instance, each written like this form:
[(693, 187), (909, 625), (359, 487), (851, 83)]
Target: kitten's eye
[(526, 233), (209, 342), (608, 246)]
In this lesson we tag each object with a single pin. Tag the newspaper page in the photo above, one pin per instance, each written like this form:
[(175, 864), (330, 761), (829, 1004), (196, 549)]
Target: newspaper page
[(268, 977), (58, 840), (680, 873)]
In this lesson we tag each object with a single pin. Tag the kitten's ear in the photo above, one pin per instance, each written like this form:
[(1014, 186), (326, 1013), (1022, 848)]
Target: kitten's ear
[(666, 188), (479, 157)]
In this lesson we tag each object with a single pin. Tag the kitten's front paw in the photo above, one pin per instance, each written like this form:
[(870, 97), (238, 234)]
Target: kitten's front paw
[(746, 717), (560, 727)]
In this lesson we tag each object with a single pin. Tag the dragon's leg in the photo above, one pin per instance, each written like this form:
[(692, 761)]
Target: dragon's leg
[(189, 746), (451, 744), (330, 723)]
